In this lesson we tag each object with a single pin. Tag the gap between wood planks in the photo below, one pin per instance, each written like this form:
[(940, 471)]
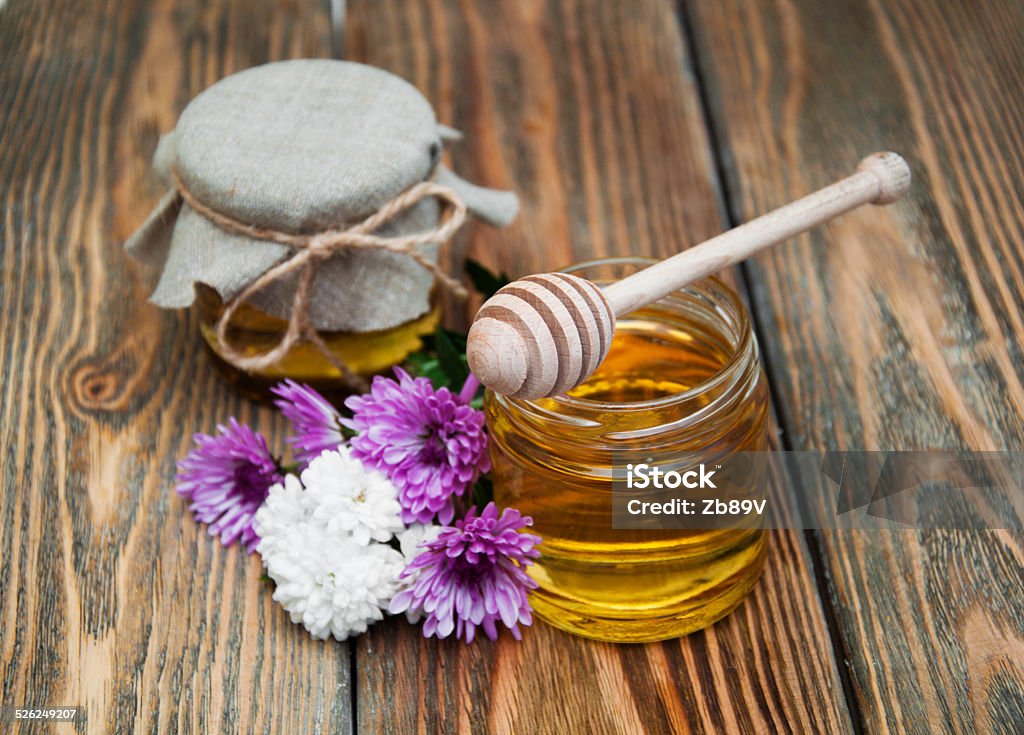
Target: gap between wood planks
[(729, 215)]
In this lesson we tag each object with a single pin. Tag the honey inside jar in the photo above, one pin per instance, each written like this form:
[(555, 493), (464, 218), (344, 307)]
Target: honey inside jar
[(681, 380), (254, 332)]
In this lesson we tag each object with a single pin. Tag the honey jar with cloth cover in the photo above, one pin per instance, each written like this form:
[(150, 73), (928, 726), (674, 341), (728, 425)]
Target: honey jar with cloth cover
[(306, 208)]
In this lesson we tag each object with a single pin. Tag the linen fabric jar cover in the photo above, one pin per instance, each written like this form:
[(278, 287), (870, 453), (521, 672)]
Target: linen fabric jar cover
[(304, 146)]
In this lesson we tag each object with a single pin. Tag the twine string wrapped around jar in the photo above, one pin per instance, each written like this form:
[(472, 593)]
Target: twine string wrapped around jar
[(310, 248), (306, 211)]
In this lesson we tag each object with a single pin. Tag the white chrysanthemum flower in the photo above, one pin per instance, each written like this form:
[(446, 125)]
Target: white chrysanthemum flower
[(329, 583), (349, 497), (411, 542), (283, 509), (410, 539)]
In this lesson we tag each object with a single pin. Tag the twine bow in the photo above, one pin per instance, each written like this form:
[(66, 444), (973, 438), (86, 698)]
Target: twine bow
[(309, 249)]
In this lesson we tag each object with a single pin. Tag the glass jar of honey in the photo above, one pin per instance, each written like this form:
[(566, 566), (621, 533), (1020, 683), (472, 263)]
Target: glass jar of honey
[(682, 377)]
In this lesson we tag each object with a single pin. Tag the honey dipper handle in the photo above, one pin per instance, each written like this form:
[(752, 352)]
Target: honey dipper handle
[(881, 178)]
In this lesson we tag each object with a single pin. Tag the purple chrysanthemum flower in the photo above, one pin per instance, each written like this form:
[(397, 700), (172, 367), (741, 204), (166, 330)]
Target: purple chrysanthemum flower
[(225, 479), (431, 444), (315, 420), (473, 575)]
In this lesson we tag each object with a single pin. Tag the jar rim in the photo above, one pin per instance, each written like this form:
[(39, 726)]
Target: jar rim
[(739, 353)]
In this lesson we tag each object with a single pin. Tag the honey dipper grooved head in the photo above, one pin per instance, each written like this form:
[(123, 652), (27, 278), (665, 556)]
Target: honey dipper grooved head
[(540, 336), (497, 355)]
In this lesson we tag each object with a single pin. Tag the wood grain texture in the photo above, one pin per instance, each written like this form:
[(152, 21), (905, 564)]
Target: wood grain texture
[(112, 597), (588, 110), (894, 329)]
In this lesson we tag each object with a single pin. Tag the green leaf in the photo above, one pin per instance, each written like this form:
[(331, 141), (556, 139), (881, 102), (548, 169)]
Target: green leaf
[(453, 360), (425, 364), (435, 373), (419, 362), (458, 339), (483, 492), (485, 280)]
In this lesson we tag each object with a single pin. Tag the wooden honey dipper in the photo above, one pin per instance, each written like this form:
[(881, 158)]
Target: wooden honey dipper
[(545, 334)]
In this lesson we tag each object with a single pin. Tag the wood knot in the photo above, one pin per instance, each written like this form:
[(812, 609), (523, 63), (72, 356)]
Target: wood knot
[(97, 387), (115, 382)]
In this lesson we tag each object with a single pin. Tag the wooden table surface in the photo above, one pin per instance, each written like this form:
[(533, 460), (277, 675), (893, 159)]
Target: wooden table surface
[(626, 127)]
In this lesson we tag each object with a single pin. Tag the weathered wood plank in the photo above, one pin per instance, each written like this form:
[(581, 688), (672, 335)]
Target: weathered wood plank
[(112, 597), (895, 329), (587, 109)]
